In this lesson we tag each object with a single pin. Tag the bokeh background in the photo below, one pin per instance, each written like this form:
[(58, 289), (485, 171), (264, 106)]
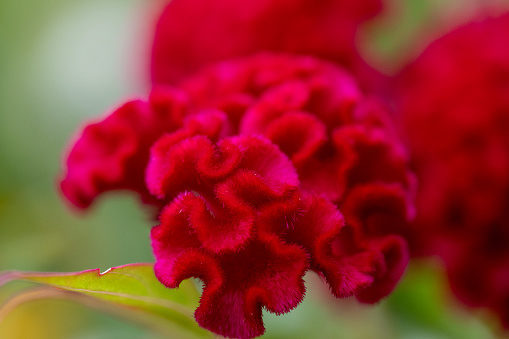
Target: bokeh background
[(65, 62)]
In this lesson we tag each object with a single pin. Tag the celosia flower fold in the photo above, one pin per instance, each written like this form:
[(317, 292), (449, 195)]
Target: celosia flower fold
[(221, 229), (337, 140), (112, 154), (315, 113)]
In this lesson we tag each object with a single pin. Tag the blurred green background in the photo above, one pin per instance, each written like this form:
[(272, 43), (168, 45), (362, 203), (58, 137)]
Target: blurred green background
[(65, 62)]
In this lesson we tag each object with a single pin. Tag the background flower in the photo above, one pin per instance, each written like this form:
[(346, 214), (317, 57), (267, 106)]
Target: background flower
[(194, 33), (455, 106)]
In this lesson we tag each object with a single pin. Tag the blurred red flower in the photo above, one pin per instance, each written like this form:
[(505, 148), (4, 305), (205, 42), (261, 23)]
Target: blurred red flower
[(455, 105), (191, 34)]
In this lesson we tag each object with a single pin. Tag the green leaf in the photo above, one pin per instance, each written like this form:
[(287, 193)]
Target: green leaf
[(134, 288)]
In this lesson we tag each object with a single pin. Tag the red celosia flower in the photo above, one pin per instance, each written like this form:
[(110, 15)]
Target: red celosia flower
[(191, 34), (240, 214), (455, 105)]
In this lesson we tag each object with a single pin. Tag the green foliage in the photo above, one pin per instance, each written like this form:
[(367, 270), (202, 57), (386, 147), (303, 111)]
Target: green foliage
[(132, 288), (423, 303)]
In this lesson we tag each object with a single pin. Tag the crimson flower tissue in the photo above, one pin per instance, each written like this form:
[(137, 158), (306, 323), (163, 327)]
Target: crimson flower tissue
[(259, 169), (454, 100)]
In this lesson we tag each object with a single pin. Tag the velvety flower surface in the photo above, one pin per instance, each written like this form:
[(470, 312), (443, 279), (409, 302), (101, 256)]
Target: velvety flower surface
[(342, 144), (455, 104), (236, 209), (191, 34), (248, 163), (112, 154)]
